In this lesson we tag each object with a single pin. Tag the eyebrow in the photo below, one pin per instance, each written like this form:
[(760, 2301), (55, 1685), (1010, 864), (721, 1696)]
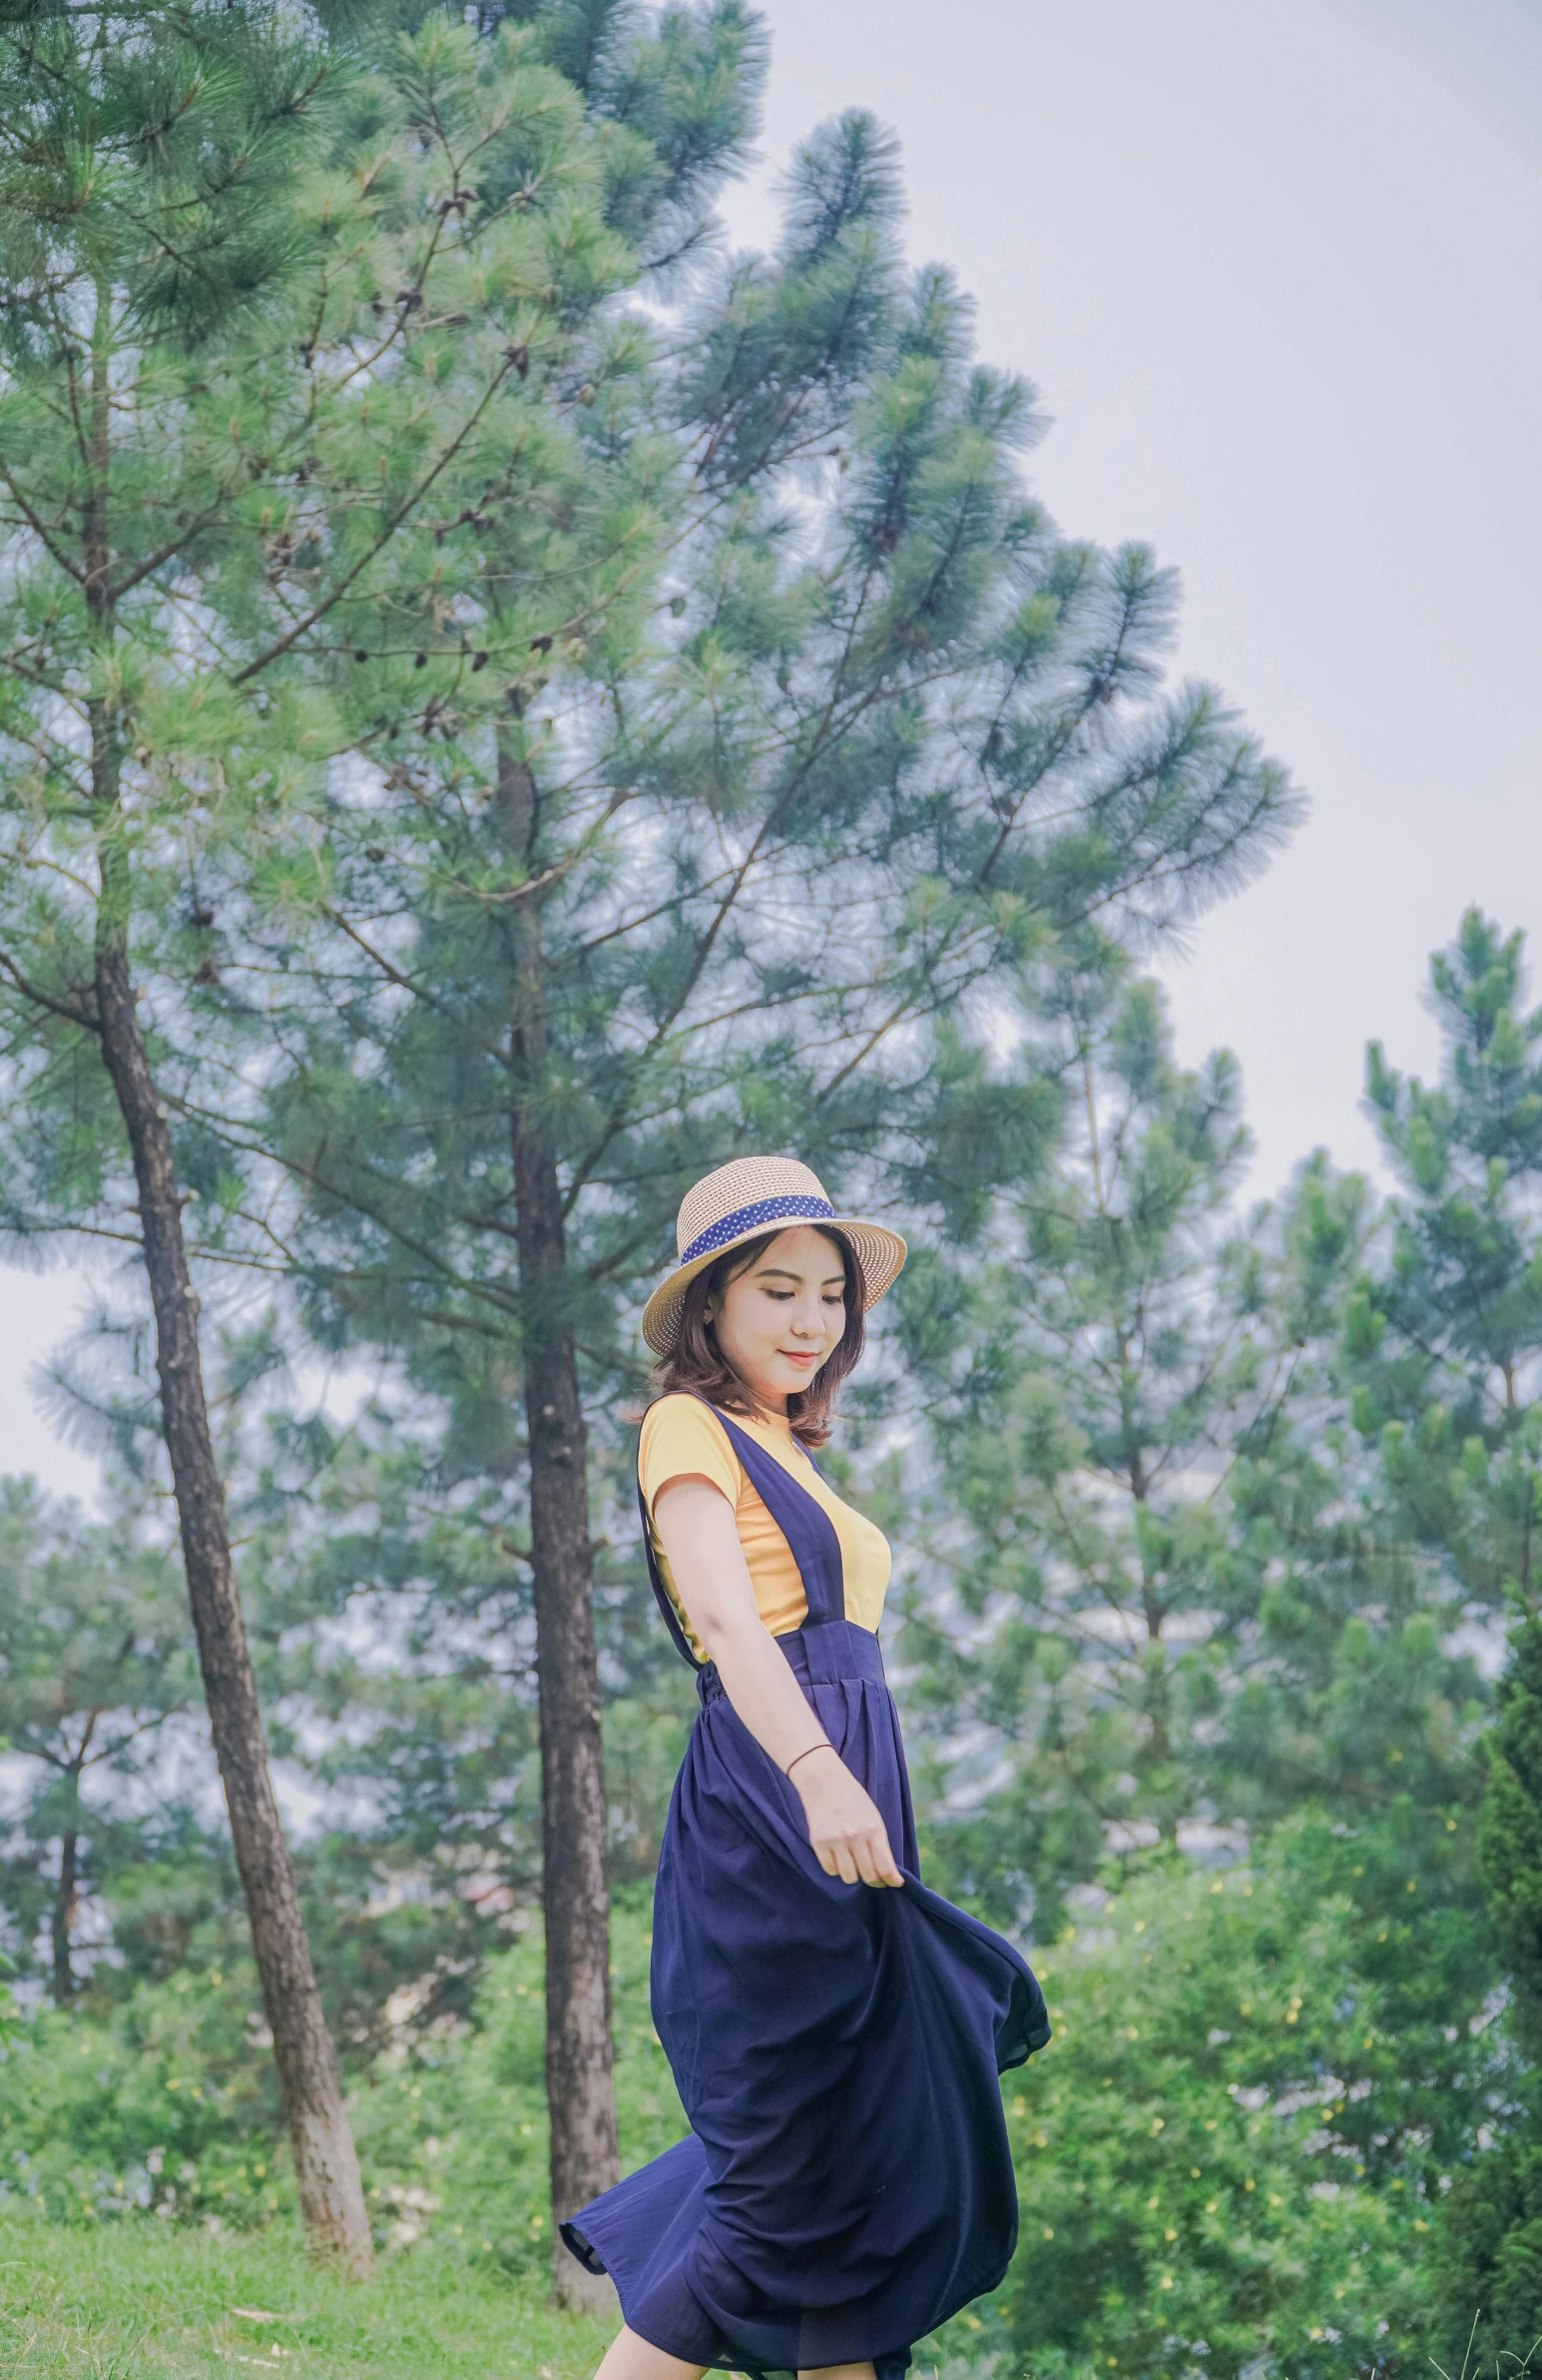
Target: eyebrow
[(782, 1273)]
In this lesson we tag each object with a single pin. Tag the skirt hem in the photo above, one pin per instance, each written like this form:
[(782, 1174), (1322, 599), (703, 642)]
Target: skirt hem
[(591, 2262), (889, 2363)]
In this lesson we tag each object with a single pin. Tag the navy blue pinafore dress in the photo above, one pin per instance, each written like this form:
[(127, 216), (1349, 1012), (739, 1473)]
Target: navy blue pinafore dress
[(847, 2185)]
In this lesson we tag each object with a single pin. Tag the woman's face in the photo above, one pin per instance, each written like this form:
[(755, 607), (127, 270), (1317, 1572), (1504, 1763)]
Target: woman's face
[(778, 1319)]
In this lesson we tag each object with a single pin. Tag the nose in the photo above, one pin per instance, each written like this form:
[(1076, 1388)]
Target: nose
[(807, 1322)]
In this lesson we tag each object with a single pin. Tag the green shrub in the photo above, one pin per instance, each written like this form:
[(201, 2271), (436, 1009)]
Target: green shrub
[(1233, 2152), (167, 2104)]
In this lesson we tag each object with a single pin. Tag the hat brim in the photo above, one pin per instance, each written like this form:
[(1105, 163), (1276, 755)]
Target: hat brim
[(880, 1251)]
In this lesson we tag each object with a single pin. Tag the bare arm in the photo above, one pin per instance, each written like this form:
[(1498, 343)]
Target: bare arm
[(707, 1562)]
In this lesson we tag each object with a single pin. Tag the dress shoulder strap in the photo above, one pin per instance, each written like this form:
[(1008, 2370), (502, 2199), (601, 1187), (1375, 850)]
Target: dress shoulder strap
[(662, 1595), (803, 1519)]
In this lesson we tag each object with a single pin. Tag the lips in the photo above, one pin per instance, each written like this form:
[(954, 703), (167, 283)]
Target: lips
[(811, 1356)]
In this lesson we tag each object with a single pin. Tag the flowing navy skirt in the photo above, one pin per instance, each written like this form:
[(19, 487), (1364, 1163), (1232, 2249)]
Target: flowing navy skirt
[(848, 2184)]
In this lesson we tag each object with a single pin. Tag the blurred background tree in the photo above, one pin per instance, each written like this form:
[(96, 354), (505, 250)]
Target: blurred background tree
[(94, 1663), (1445, 1338)]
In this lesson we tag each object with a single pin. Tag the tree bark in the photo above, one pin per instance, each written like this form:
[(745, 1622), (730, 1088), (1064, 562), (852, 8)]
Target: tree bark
[(64, 1917), (580, 2082), (331, 2196)]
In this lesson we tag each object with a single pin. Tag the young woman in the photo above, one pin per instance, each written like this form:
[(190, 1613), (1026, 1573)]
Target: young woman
[(835, 2031)]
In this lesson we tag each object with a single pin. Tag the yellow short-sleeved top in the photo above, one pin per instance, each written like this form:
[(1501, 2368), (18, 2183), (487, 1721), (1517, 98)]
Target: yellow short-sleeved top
[(683, 1439)]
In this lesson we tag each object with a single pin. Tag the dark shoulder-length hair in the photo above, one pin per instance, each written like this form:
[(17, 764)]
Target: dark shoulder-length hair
[(698, 1364)]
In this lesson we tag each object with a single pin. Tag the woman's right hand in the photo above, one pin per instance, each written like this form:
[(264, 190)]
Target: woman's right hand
[(848, 1836)]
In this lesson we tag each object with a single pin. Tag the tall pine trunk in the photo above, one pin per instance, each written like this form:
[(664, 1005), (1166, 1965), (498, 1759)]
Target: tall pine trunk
[(331, 2197), (580, 2084), (62, 1917)]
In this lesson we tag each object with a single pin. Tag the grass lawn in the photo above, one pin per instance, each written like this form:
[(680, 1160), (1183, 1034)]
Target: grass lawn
[(138, 2301)]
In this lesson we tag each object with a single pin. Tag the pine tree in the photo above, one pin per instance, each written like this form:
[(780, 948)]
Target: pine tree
[(142, 211), (1149, 1585), (1491, 2241), (221, 244), (1444, 1340), (1443, 1347), (547, 540), (93, 1663), (731, 743), (1092, 1379), (1352, 1690)]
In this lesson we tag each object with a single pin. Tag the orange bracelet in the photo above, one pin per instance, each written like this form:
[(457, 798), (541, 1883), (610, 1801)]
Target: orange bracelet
[(826, 1746)]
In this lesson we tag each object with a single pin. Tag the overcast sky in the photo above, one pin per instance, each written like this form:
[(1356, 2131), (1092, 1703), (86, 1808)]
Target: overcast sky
[(1277, 274)]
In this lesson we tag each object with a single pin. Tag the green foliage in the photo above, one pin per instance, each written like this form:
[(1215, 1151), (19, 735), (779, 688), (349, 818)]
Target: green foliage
[(1511, 1836), (702, 812), (93, 1662), (1152, 1591), (165, 2100), (1441, 1348), (1491, 2251), (220, 482), (1107, 1351), (389, 1609), (1238, 2142), (452, 2133), (1489, 2265), (169, 2103), (1443, 1343)]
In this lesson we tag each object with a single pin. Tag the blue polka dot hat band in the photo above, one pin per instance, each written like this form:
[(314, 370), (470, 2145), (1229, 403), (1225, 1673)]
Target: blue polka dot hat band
[(754, 1218), (740, 1201)]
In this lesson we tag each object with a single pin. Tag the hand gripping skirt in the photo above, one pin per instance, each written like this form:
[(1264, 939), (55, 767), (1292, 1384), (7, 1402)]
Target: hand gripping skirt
[(847, 2185)]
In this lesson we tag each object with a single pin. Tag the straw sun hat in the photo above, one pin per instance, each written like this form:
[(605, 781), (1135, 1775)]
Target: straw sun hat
[(738, 1203)]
